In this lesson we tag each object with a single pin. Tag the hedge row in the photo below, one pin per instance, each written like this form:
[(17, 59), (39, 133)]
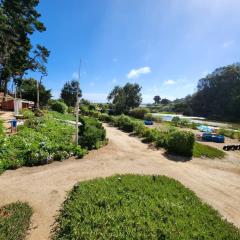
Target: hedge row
[(174, 141)]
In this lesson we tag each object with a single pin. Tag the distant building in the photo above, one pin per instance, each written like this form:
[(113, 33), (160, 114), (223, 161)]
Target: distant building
[(9, 103)]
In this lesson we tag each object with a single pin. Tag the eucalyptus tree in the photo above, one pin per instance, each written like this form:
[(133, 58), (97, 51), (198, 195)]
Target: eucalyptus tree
[(19, 20)]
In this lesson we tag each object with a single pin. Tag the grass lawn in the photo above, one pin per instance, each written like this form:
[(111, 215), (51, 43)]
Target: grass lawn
[(201, 150), (14, 221), (139, 207)]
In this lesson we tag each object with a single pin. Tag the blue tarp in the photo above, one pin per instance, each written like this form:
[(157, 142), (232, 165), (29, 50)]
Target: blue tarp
[(204, 128)]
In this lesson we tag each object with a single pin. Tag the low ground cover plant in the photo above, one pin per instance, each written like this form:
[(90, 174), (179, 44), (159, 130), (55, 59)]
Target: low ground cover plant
[(138, 207), (14, 221), (202, 150), (60, 116)]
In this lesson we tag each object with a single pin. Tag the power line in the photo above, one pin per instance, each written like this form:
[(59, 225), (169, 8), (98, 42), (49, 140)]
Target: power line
[(78, 101)]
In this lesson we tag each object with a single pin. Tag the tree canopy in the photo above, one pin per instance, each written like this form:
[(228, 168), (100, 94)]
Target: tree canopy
[(218, 94), (125, 98), (29, 91), (69, 93), (19, 19), (157, 99)]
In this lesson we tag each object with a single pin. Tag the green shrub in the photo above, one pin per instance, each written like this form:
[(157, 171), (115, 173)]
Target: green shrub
[(2, 129), (125, 123), (91, 133), (148, 117), (184, 123), (14, 221), (60, 155), (39, 112), (139, 112), (79, 152), (150, 135), (180, 142), (71, 110), (59, 106), (229, 133), (139, 128), (161, 141), (139, 207), (28, 114), (175, 121), (157, 119), (104, 117)]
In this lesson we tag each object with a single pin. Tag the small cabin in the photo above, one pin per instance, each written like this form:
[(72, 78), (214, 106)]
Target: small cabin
[(9, 103)]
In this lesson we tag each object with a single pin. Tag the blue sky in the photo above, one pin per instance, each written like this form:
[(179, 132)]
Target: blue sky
[(164, 45)]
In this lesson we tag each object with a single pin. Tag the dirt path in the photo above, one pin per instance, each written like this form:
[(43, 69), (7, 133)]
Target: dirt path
[(6, 116), (216, 182)]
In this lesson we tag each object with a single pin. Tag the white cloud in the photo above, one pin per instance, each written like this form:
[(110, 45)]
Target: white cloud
[(135, 73), (92, 84), (228, 44), (170, 82)]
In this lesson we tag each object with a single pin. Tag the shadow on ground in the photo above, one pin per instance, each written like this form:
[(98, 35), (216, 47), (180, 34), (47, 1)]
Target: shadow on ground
[(176, 158)]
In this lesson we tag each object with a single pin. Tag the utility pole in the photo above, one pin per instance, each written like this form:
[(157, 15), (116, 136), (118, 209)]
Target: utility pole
[(77, 103), (38, 83)]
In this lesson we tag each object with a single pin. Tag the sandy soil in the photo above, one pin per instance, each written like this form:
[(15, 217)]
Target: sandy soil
[(216, 182), (6, 116)]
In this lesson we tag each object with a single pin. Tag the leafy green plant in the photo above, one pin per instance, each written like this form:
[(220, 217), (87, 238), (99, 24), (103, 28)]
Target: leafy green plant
[(139, 112), (229, 133), (175, 121), (125, 123), (39, 141), (92, 134), (150, 135), (180, 142), (61, 116), (105, 118), (138, 207), (79, 152), (14, 221), (59, 106), (28, 114), (201, 150), (148, 117), (2, 129), (139, 129)]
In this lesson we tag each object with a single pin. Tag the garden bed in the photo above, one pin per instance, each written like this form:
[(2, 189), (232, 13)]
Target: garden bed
[(138, 207)]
